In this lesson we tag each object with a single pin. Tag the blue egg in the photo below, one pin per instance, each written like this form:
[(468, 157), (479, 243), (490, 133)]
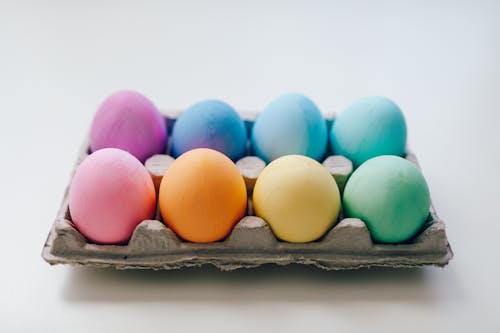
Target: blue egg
[(210, 124), (370, 127), (290, 125)]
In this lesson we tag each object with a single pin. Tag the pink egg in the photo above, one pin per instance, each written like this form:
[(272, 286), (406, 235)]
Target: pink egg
[(127, 120), (111, 193)]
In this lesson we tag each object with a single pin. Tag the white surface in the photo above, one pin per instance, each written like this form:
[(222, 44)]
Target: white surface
[(438, 60)]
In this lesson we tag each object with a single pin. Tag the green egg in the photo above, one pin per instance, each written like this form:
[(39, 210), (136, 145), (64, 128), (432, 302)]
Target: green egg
[(390, 195)]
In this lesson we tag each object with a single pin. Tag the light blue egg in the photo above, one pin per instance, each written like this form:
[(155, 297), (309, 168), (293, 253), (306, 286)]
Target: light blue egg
[(370, 127), (291, 124), (210, 124)]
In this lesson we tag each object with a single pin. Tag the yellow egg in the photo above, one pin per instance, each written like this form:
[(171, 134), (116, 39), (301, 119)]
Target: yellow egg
[(298, 197)]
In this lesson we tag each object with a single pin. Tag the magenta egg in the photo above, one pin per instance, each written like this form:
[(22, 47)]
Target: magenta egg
[(129, 121), (110, 194)]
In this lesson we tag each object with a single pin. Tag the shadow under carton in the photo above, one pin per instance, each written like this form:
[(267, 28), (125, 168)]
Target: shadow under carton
[(153, 245)]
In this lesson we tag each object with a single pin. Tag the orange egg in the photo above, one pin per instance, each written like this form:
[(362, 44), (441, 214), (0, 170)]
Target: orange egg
[(202, 196)]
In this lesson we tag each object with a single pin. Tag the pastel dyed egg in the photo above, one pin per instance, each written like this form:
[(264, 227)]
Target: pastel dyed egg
[(202, 196), (210, 124), (291, 124), (110, 194), (370, 127), (297, 197), (390, 195), (129, 121)]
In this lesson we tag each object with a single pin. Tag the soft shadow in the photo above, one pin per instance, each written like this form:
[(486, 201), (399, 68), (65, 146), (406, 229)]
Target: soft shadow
[(267, 283)]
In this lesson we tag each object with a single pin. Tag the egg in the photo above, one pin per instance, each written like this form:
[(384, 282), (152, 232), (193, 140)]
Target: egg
[(370, 127), (129, 121), (297, 197), (110, 194), (210, 124), (390, 195), (202, 196), (291, 124)]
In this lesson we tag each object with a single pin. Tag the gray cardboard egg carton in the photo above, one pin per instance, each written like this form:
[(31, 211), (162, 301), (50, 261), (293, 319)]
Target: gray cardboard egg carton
[(251, 243)]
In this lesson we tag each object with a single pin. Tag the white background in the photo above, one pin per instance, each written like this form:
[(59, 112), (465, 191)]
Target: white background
[(439, 60)]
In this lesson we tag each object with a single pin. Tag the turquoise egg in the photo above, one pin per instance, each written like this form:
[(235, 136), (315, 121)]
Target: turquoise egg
[(390, 195), (290, 125), (370, 127)]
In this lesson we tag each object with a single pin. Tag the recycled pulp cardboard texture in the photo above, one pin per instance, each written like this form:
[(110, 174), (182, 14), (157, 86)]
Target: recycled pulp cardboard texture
[(251, 243)]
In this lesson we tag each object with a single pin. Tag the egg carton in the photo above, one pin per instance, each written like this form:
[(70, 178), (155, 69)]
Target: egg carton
[(347, 245)]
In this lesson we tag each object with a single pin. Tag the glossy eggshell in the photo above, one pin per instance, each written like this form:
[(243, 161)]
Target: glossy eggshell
[(390, 195), (202, 196), (291, 124), (129, 121), (370, 127), (110, 194), (210, 124), (298, 197)]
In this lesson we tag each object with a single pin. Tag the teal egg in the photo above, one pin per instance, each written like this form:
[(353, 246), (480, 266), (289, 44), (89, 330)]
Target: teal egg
[(370, 127), (290, 125), (390, 195)]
